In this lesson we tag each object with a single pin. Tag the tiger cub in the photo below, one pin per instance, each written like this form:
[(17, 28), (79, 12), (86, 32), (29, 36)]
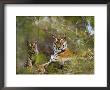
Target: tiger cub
[(32, 49)]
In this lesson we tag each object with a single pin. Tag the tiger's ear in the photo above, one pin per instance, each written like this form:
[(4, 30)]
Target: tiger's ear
[(54, 37), (28, 43), (64, 37)]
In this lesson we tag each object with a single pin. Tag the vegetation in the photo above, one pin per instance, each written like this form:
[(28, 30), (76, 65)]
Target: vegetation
[(79, 31)]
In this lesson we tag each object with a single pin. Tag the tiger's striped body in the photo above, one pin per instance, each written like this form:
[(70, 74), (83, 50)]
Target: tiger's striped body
[(61, 51)]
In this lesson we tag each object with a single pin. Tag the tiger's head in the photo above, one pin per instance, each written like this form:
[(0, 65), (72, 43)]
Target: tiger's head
[(59, 44), (33, 46)]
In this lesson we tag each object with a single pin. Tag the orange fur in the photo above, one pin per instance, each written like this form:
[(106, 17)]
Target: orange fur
[(66, 54)]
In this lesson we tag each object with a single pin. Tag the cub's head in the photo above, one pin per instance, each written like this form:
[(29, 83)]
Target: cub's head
[(59, 43), (32, 46)]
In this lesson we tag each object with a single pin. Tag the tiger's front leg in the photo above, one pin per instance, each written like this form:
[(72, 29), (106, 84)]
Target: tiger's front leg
[(53, 58)]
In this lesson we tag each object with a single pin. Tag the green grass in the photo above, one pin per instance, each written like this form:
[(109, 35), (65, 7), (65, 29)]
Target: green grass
[(40, 58), (76, 66)]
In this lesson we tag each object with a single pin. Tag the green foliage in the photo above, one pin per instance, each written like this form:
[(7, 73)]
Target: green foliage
[(91, 19), (23, 70), (78, 65), (73, 20), (40, 58)]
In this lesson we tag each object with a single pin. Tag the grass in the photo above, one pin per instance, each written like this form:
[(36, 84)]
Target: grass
[(77, 65)]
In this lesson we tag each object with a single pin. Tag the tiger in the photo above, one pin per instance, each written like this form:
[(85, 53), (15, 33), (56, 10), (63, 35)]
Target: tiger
[(61, 50), (32, 49)]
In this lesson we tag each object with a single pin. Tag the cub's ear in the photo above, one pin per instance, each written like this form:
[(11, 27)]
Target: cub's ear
[(27, 43)]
